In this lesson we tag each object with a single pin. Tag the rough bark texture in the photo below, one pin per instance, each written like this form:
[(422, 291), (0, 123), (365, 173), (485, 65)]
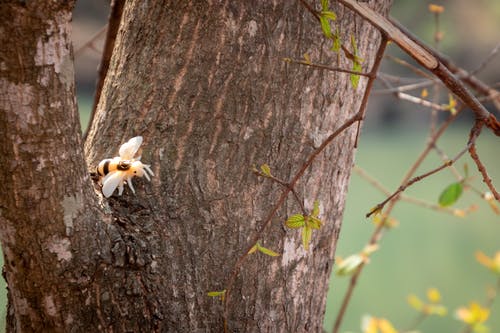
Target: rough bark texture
[(45, 183), (205, 84)]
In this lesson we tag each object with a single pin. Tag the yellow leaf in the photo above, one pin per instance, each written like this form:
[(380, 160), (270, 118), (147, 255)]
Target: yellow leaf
[(490, 263), (424, 93), (385, 326), (307, 59), (459, 212), (488, 196), (484, 259), (452, 104), (371, 326), (267, 251), (480, 314), (266, 170), (473, 315), (253, 249), (436, 9), (433, 295), (415, 302)]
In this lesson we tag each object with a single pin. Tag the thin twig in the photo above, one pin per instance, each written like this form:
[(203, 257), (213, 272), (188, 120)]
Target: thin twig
[(445, 157), (421, 101), (486, 61), (426, 58), (274, 210), (475, 157), (369, 85), (407, 87), (471, 80), (406, 64), (377, 233), (416, 179), (377, 185), (372, 76), (310, 9), (325, 67), (90, 42), (286, 185)]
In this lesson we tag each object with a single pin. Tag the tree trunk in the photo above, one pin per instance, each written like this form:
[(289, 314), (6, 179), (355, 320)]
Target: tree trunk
[(205, 85)]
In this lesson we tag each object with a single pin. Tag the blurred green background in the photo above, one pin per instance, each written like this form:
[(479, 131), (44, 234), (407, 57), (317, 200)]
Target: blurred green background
[(429, 248)]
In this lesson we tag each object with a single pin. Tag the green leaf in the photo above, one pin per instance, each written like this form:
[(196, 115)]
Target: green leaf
[(315, 211), (314, 222), (336, 41), (254, 248), (267, 251), (266, 170), (328, 15), (325, 26), (296, 221), (325, 4), (450, 194), (356, 66), (356, 62), (221, 294), (306, 237)]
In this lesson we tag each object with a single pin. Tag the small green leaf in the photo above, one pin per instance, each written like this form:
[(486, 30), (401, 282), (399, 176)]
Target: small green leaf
[(325, 26), (336, 41), (325, 4), (354, 46), (356, 66), (306, 237), (466, 170), (315, 211), (329, 15), (356, 62), (314, 222), (267, 251), (254, 248), (266, 170), (221, 294), (296, 221), (451, 194)]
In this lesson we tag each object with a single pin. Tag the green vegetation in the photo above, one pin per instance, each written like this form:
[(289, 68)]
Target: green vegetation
[(429, 248)]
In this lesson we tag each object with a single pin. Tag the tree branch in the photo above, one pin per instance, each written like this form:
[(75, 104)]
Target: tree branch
[(274, 210), (427, 59)]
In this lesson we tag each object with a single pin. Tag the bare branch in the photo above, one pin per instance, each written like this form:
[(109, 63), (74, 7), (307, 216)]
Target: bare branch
[(373, 75), (325, 67), (417, 179), (480, 166), (426, 58), (90, 42), (274, 210), (486, 61)]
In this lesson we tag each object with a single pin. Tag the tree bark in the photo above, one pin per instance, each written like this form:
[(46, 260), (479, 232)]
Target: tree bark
[(205, 85), (47, 204)]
